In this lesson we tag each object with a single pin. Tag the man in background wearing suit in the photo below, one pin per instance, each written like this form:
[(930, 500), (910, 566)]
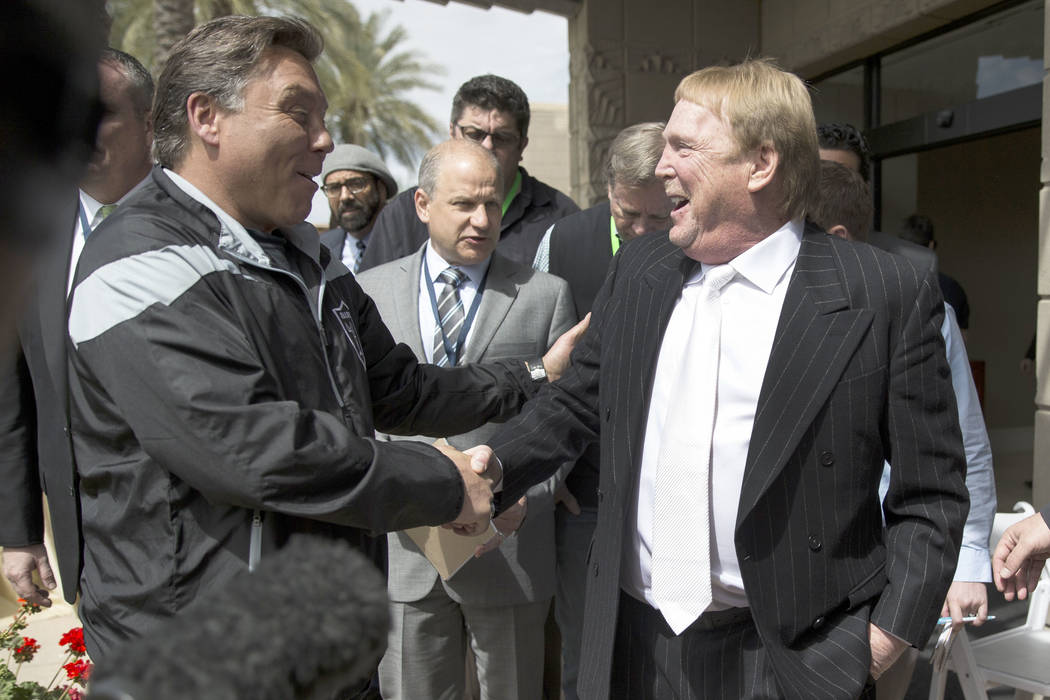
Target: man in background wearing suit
[(35, 453), (579, 249), (496, 309), (357, 184), (747, 377)]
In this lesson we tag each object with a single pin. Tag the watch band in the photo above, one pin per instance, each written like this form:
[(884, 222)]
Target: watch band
[(537, 372)]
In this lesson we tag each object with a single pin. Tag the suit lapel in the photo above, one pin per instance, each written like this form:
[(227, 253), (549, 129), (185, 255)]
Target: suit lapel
[(501, 288), (815, 338), (650, 301), (52, 307), (406, 301)]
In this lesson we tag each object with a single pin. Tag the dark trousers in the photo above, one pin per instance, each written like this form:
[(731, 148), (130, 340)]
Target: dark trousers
[(719, 657)]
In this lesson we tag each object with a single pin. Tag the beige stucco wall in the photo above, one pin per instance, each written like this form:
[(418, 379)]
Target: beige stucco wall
[(547, 155), (814, 36), (627, 56)]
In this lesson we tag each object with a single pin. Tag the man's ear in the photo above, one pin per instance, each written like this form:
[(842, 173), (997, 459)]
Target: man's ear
[(764, 162), (452, 130), (422, 202), (840, 231), (203, 116), (521, 151), (383, 194)]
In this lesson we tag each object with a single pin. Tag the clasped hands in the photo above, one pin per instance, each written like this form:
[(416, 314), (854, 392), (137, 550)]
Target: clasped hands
[(481, 474)]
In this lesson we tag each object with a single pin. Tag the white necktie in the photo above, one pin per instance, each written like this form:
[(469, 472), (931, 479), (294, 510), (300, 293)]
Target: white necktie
[(681, 556)]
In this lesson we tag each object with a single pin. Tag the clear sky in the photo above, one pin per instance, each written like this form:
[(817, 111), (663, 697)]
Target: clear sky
[(530, 49)]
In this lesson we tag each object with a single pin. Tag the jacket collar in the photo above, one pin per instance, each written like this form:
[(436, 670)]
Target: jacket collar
[(233, 237)]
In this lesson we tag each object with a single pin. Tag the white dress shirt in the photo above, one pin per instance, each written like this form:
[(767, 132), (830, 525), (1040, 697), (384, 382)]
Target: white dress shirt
[(89, 207), (351, 252), (468, 289), (751, 306)]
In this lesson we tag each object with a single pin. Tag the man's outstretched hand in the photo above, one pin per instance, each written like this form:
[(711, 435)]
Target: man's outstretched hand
[(556, 361)]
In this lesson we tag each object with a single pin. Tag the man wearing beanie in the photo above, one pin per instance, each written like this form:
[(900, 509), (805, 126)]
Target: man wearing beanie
[(357, 185)]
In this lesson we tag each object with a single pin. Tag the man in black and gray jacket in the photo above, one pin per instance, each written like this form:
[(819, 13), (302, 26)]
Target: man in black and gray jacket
[(227, 373), (494, 112)]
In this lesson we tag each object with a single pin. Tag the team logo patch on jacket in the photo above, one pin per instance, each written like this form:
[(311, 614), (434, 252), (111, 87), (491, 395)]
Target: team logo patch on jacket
[(345, 318)]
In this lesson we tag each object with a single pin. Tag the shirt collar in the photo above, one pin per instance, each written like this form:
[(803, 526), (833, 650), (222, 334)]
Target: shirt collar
[(232, 235), (90, 204), (476, 273), (765, 263)]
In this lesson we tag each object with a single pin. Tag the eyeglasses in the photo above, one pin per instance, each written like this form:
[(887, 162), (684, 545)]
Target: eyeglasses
[(500, 139), (356, 185)]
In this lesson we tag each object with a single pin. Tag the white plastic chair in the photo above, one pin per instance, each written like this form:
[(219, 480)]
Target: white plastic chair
[(1018, 658)]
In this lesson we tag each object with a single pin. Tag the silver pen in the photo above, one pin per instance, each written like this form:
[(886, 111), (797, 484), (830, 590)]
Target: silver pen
[(968, 618)]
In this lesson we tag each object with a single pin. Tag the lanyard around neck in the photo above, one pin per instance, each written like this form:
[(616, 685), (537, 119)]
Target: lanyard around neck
[(614, 234), (452, 351), (514, 190)]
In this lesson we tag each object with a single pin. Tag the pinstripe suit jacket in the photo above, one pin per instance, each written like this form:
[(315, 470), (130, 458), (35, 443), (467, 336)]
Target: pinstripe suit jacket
[(856, 374)]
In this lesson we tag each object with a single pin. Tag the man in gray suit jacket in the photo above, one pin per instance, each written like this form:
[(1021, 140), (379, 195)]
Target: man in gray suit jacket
[(740, 549), (500, 309)]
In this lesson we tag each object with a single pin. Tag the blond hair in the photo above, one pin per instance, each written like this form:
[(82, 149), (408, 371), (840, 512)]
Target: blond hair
[(763, 104)]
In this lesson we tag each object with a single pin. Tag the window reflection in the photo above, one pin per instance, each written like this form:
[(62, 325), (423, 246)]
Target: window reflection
[(999, 53)]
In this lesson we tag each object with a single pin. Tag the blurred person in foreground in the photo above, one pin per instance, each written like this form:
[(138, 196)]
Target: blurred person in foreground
[(36, 457)]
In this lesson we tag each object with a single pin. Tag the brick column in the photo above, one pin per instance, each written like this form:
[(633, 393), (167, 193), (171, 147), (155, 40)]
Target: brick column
[(625, 59)]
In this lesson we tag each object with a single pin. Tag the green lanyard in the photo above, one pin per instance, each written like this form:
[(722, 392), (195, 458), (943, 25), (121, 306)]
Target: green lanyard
[(514, 189), (614, 235)]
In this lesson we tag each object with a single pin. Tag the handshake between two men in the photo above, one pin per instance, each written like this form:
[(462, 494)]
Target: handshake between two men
[(482, 472)]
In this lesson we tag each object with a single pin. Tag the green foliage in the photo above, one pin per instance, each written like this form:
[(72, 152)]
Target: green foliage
[(365, 70), (11, 689)]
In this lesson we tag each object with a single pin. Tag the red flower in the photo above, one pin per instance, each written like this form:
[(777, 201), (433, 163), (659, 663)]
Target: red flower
[(27, 607), (26, 650), (78, 671), (74, 639)]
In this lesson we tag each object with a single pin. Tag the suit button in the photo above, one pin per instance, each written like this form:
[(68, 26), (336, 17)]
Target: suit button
[(72, 491), (815, 544), (826, 458), (608, 414), (601, 495), (595, 569), (818, 623), (745, 556)]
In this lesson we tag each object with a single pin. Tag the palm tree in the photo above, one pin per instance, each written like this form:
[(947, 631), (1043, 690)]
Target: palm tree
[(364, 71), (370, 106)]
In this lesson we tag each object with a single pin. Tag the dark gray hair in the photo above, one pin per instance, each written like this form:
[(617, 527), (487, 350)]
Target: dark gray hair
[(218, 59), (634, 154), (430, 168), (493, 92), (140, 82)]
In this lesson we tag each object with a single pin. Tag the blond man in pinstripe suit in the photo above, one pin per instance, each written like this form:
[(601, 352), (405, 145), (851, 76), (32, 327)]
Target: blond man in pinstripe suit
[(829, 360)]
